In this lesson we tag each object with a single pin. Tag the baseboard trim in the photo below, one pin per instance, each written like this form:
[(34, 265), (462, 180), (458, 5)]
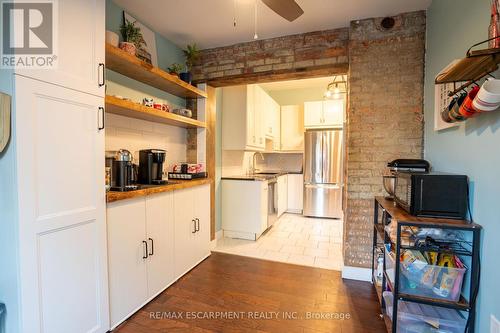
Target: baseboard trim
[(357, 273), (218, 235)]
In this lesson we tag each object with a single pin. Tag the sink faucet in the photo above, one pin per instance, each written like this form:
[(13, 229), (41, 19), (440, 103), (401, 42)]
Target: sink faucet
[(253, 169)]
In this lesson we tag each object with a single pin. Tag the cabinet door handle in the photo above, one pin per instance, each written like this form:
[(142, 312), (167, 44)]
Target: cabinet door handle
[(152, 247), (194, 225), (197, 224), (145, 256), (101, 75), (101, 119)]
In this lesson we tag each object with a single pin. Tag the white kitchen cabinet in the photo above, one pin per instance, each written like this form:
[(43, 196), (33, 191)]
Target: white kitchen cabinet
[(79, 32), (192, 227), (295, 193), (292, 128), (152, 241), (140, 252), (61, 209), (282, 194), (324, 114), (249, 116), (160, 239), (242, 119), (244, 208), (128, 275), (277, 128)]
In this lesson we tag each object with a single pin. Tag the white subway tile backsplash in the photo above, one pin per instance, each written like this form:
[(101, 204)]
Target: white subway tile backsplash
[(135, 134)]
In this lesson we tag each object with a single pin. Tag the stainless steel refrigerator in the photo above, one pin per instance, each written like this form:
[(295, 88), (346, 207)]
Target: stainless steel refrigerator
[(323, 173)]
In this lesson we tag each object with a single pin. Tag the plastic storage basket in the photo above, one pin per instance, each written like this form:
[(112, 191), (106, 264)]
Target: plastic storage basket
[(420, 318), (428, 280)]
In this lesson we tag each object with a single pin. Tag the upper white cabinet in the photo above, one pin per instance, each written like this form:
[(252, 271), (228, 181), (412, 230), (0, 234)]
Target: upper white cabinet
[(61, 209), (249, 116), (192, 227), (242, 119), (292, 128), (80, 47), (324, 114)]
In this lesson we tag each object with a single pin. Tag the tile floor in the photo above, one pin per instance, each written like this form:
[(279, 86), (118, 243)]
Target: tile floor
[(294, 239)]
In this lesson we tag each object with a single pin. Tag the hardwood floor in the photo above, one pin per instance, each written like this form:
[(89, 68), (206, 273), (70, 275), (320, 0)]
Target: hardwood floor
[(261, 293)]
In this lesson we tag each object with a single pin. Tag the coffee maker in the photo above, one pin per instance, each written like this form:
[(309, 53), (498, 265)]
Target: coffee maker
[(151, 166), (122, 172)]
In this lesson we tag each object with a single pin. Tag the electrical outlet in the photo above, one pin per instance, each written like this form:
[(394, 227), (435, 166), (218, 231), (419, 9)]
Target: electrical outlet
[(494, 325)]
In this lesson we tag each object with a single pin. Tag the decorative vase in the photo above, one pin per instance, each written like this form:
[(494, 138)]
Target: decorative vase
[(112, 38), (128, 47), (186, 77)]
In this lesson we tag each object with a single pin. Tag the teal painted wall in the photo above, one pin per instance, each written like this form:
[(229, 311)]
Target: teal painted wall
[(473, 149), (9, 260), (167, 52)]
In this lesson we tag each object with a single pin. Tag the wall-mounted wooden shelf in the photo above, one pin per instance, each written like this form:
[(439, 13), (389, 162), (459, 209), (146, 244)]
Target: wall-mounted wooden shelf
[(473, 67), (128, 65), (135, 110)]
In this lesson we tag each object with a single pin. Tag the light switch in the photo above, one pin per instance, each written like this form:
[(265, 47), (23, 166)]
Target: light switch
[(494, 325)]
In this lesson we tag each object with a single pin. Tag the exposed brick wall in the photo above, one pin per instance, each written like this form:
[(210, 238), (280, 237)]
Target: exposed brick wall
[(385, 117), (385, 109), (321, 50)]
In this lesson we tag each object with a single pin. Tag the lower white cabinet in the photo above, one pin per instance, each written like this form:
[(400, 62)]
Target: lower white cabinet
[(153, 241), (128, 288), (244, 208), (192, 227), (282, 194), (295, 193)]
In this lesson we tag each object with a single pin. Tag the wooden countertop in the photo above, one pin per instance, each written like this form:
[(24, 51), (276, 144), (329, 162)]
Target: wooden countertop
[(171, 186), (400, 215)]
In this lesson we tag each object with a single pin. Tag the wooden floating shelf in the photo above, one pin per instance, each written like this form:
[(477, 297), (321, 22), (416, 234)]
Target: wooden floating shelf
[(135, 110), (120, 61), (475, 66)]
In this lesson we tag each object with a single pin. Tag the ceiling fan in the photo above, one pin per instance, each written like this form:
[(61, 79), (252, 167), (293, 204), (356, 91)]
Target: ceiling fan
[(288, 9)]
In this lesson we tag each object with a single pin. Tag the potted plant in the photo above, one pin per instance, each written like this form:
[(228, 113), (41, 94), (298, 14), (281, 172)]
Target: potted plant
[(132, 37), (175, 69), (192, 54)]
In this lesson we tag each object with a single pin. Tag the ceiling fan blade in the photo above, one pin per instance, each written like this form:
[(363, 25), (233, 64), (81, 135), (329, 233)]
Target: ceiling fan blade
[(288, 9)]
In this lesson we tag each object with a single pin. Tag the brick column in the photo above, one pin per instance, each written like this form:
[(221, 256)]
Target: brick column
[(385, 117)]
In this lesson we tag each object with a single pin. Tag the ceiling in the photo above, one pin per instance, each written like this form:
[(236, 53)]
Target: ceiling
[(209, 23), (314, 83)]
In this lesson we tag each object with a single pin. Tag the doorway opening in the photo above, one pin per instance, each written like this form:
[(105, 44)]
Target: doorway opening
[(280, 170)]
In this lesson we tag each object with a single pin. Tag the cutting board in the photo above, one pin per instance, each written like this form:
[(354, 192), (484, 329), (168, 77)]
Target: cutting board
[(4, 120)]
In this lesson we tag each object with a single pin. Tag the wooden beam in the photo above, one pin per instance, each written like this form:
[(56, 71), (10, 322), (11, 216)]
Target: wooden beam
[(210, 120), (278, 75)]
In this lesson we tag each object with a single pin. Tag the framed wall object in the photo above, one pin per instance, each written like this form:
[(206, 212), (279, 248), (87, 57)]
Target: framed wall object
[(146, 53), (5, 105)]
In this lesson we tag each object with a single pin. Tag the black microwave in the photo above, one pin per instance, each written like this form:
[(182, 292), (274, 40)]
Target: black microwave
[(432, 194)]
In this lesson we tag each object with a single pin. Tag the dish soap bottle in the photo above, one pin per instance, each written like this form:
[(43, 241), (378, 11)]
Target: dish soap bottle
[(493, 29)]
